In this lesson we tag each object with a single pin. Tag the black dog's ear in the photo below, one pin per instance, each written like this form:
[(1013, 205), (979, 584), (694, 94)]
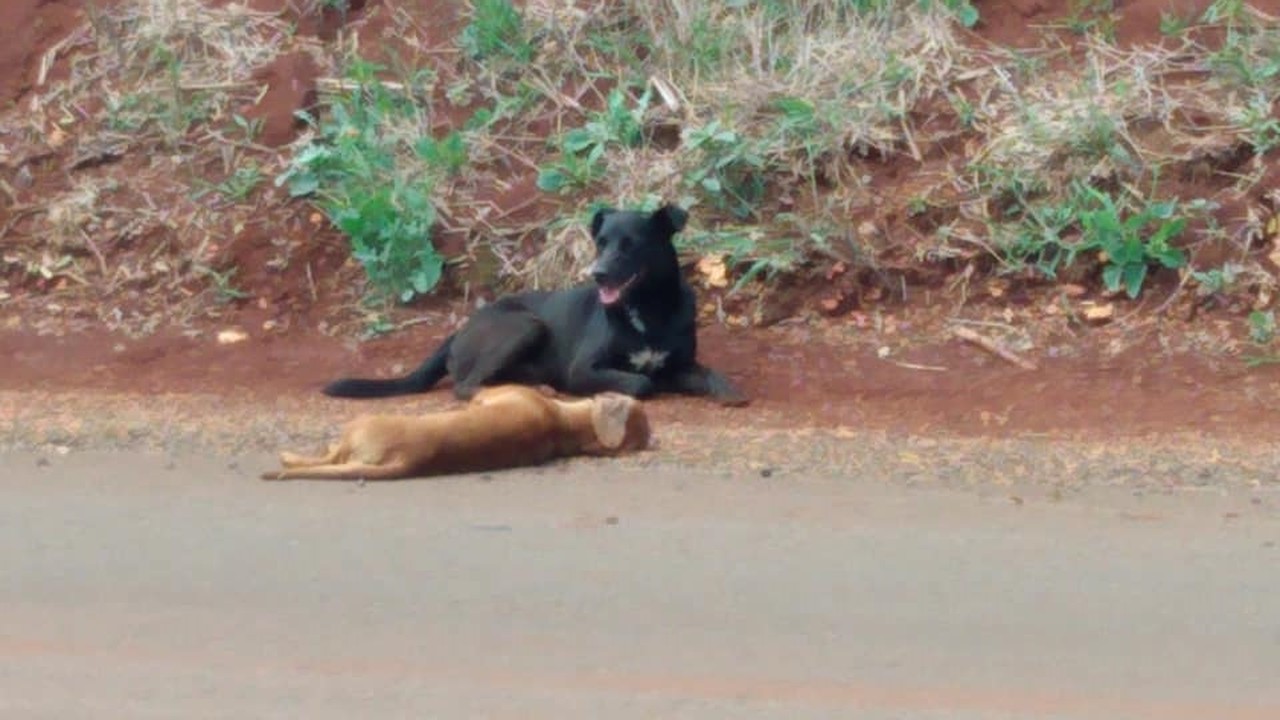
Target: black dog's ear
[(597, 220), (670, 217)]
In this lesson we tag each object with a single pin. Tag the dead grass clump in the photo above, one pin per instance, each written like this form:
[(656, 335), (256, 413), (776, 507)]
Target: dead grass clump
[(149, 105)]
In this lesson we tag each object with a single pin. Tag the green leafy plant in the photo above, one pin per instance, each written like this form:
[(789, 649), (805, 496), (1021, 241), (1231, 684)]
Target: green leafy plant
[(496, 30), (1131, 242), (241, 184), (1216, 281), (728, 171), (1261, 126), (1262, 326), (361, 173), (448, 154), (1262, 333), (224, 289), (582, 149)]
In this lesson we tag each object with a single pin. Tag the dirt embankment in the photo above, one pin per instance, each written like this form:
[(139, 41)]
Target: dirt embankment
[(846, 350)]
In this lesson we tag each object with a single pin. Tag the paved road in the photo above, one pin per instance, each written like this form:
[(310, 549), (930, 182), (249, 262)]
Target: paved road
[(135, 589)]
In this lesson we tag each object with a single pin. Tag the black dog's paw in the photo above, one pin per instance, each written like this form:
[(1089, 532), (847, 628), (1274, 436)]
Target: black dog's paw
[(723, 391)]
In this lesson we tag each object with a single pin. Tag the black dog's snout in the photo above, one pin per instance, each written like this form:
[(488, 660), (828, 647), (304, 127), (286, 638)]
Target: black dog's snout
[(599, 272)]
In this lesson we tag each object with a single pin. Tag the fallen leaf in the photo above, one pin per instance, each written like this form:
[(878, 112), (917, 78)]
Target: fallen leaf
[(1263, 300), (837, 270), (997, 288), (713, 270), (829, 305), (316, 218), (231, 336), (1099, 312), (1072, 290)]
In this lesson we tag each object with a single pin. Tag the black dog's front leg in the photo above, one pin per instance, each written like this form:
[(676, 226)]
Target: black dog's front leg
[(589, 374), (701, 380), (598, 380)]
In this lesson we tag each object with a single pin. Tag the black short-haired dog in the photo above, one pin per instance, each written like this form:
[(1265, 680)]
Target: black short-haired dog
[(633, 331)]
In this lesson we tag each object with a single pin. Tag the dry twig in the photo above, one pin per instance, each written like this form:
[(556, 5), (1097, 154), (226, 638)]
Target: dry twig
[(993, 346)]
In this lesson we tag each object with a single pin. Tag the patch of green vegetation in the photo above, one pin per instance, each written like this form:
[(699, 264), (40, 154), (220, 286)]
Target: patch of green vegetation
[(1130, 235), (1262, 333), (727, 169), (744, 111), (372, 171), (1132, 239), (582, 149), (495, 31), (238, 186), (1092, 17)]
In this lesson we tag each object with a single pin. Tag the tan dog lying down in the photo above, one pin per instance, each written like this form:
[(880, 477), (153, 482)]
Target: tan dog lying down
[(503, 426)]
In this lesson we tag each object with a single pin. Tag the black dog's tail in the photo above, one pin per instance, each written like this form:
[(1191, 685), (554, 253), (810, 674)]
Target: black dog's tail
[(427, 375)]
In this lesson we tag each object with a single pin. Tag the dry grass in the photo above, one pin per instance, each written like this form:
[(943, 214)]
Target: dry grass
[(837, 130), (149, 104)]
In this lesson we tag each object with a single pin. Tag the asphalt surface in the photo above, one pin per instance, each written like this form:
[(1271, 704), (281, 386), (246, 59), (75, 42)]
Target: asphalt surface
[(152, 586)]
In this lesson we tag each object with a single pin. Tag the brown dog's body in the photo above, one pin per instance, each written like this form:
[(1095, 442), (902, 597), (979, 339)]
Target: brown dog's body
[(502, 427)]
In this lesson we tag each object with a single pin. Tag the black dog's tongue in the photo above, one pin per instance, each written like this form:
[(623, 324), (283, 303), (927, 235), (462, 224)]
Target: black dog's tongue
[(609, 295)]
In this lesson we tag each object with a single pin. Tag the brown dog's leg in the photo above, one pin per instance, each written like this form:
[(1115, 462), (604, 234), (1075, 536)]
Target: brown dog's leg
[(345, 471), (291, 460)]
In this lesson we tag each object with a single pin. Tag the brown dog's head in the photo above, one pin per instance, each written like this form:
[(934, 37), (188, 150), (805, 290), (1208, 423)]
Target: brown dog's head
[(620, 423)]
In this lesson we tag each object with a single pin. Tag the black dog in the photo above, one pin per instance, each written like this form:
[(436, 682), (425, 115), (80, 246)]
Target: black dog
[(633, 332)]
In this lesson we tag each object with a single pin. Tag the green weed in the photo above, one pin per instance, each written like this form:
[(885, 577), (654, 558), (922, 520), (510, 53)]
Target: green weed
[(1216, 281), (237, 187), (1130, 237), (374, 180), (495, 31), (1131, 241), (1261, 127), (582, 150), (1262, 333), (1262, 327), (224, 289), (726, 169)]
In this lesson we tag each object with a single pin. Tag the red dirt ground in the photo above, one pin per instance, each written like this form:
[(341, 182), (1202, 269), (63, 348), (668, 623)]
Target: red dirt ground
[(796, 376)]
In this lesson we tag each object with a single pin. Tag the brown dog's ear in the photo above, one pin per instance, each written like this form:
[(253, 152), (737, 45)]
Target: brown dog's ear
[(597, 220), (609, 414), (670, 218)]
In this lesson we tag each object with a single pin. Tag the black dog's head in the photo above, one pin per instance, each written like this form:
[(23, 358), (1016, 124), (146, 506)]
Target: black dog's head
[(634, 249)]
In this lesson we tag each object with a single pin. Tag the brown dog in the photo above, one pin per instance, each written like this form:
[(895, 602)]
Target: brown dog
[(503, 426)]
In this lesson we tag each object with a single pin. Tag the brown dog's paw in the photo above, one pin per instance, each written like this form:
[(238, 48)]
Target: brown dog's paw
[(609, 414)]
